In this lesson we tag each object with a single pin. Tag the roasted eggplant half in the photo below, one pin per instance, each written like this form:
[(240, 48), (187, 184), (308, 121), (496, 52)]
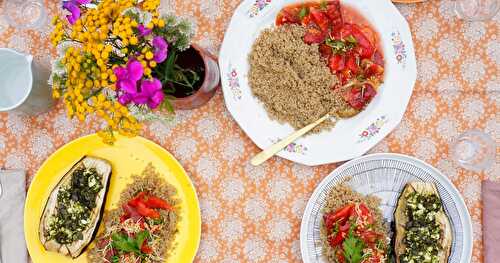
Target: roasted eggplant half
[(423, 230), (74, 208)]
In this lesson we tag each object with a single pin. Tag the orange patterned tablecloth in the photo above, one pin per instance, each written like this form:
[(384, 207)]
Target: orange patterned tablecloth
[(252, 214)]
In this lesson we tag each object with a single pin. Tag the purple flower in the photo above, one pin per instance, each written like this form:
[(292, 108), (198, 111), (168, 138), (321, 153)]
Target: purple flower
[(151, 94), (143, 31), (73, 6), (161, 49), (128, 76)]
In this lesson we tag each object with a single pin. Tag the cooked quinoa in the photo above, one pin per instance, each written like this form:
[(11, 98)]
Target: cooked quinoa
[(152, 182), (340, 196), (291, 79)]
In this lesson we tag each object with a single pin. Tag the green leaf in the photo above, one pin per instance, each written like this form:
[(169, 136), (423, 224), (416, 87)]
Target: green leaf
[(351, 39), (140, 237), (337, 46), (125, 243), (303, 12), (323, 4), (353, 248)]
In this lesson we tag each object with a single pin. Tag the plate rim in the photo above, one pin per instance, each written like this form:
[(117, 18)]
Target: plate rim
[(467, 228), (391, 125), (145, 141)]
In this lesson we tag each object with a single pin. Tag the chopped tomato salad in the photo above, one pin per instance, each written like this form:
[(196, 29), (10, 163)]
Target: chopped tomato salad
[(349, 47), (350, 232)]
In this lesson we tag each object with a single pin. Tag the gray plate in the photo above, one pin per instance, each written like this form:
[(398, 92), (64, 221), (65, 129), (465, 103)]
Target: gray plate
[(385, 175)]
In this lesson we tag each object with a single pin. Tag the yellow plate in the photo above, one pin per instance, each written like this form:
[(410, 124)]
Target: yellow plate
[(127, 156)]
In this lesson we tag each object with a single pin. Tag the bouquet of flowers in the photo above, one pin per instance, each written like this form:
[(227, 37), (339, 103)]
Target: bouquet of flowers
[(117, 59)]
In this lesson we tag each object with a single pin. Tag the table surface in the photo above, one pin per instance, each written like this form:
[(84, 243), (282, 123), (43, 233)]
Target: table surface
[(254, 213)]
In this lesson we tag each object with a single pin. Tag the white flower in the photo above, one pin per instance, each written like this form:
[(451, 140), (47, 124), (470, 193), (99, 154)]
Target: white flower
[(254, 249), (427, 69), (232, 148), (449, 89), (302, 172), (255, 208), (403, 131), (427, 28), (449, 49), (209, 207), (41, 144), (209, 248), (425, 149), (208, 169), (298, 206), (448, 168), (447, 9), (296, 249), (17, 123), (2, 143), (472, 109), (209, 128), (232, 189), (471, 189), (279, 188), (447, 128), (185, 148), (473, 70), (279, 229), (473, 31), (231, 229), (493, 50), (16, 160), (255, 173), (425, 107)]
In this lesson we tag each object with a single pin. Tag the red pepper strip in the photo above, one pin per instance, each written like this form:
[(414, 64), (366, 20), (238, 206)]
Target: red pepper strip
[(369, 237), (325, 50), (352, 63), (155, 202), (365, 213), (143, 210), (139, 197)]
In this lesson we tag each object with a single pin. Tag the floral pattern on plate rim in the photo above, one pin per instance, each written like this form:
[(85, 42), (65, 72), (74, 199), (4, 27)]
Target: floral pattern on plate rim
[(399, 48), (234, 82), (257, 7), (373, 129), (293, 147)]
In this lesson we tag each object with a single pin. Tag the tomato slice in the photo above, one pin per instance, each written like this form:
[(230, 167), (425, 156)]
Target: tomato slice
[(336, 63), (334, 13), (352, 63), (287, 16), (339, 215), (145, 248), (358, 97), (378, 58), (320, 19), (338, 238), (367, 48), (325, 50), (155, 202), (314, 36)]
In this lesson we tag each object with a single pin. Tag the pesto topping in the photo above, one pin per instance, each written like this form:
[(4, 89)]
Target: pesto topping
[(75, 203), (423, 232)]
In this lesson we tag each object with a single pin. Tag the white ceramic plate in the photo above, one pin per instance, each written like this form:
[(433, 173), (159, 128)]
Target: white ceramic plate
[(350, 138), (385, 175)]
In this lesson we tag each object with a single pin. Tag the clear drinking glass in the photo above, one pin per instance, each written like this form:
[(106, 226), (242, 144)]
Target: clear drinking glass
[(473, 150), (25, 14), (477, 10)]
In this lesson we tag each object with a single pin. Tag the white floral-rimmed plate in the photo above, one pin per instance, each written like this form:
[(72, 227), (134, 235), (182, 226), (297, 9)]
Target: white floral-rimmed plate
[(350, 138), (385, 175)]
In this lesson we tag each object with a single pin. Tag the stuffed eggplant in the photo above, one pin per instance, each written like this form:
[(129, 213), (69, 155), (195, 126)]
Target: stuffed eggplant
[(74, 208), (423, 230)]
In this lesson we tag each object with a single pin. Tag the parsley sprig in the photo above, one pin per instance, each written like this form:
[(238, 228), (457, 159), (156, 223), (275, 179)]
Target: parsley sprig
[(353, 248), (126, 244)]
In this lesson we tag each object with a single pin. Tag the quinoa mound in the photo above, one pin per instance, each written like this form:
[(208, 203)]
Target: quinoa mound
[(291, 79)]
